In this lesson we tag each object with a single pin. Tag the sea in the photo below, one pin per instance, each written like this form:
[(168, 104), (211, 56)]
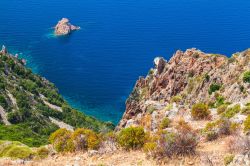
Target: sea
[(95, 68)]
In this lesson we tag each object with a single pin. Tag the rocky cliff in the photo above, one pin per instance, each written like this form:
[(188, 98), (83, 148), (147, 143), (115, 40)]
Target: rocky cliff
[(171, 88)]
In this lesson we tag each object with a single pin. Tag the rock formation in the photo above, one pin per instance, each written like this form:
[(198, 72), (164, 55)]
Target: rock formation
[(4, 50), (64, 27), (188, 75)]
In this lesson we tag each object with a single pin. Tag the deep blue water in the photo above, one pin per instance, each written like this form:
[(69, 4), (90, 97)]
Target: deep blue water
[(95, 68)]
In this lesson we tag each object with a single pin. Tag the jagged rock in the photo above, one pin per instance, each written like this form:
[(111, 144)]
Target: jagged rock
[(159, 64), (189, 74), (4, 50), (64, 27)]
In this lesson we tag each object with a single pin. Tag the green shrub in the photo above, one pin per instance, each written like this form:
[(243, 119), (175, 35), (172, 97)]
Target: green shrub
[(151, 109), (165, 123), (207, 77), (29, 85), (149, 147), (85, 139), (220, 100), (246, 76), (19, 152), (231, 111), (228, 159), (42, 153), (15, 150), (211, 135), (210, 126), (176, 99), (22, 133), (61, 140), (214, 87), (222, 109), (132, 138), (246, 110), (247, 124), (3, 102), (200, 111)]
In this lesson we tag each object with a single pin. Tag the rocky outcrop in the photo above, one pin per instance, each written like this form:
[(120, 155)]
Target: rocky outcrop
[(61, 124), (3, 116), (4, 50), (64, 27), (188, 75)]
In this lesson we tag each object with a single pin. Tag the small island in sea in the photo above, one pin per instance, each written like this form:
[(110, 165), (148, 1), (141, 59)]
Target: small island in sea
[(64, 27)]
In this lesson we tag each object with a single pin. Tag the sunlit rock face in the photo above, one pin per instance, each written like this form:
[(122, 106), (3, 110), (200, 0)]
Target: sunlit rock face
[(64, 27)]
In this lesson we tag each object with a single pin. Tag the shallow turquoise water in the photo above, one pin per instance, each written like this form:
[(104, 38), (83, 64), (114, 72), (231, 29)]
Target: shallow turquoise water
[(96, 68)]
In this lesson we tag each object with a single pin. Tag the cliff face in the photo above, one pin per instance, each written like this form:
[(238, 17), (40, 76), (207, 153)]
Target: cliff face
[(171, 88)]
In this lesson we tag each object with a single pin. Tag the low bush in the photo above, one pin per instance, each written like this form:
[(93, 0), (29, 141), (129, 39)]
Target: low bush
[(151, 109), (224, 127), (85, 139), (22, 133), (220, 100), (246, 110), (62, 141), (19, 152), (150, 147), (220, 127), (246, 77), (176, 99), (42, 153), (182, 142), (15, 150), (132, 138), (186, 139), (222, 108), (165, 123), (231, 111), (200, 111), (213, 88), (211, 135), (247, 124), (228, 159), (3, 102), (211, 126)]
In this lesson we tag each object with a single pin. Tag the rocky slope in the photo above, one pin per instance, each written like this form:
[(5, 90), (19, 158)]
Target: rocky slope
[(189, 77), (31, 107)]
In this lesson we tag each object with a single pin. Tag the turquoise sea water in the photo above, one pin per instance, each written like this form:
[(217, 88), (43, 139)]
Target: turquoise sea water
[(95, 68)]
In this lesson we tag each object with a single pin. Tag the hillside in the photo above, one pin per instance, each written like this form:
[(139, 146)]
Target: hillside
[(192, 110), (31, 107)]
